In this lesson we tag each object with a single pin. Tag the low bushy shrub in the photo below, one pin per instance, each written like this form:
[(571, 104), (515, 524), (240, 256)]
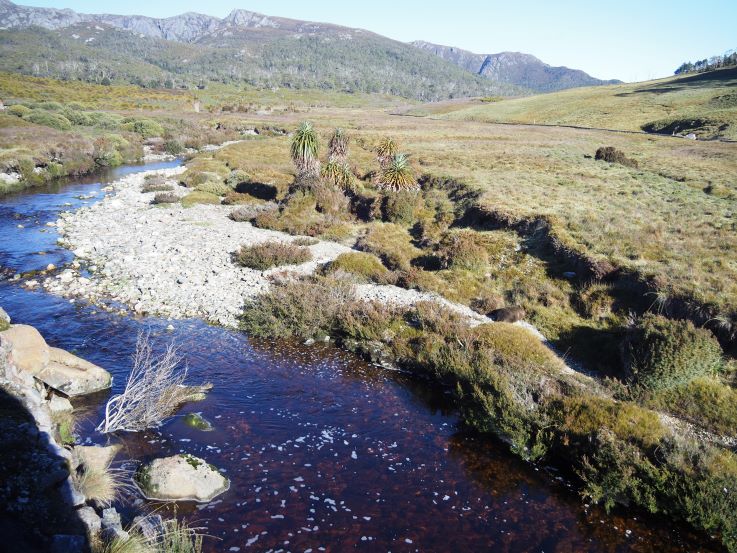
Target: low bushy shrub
[(298, 215), (662, 353), (248, 212), (365, 266), (391, 243), (155, 183), (19, 110), (173, 147), (147, 128), (165, 198), (463, 249), (214, 187), (302, 308), (197, 197), (612, 155), (402, 207), (49, 119), (272, 254)]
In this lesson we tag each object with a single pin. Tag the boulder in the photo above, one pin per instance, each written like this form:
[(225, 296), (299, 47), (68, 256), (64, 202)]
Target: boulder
[(30, 352), (73, 376), (55, 367), (181, 478), (94, 457), (59, 404), (90, 519)]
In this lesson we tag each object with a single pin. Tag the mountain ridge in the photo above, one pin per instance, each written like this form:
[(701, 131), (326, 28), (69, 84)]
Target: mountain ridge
[(514, 67)]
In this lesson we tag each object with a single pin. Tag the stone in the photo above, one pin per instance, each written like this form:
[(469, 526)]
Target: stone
[(30, 352), (150, 526), (112, 529), (64, 543), (90, 519), (50, 267), (95, 457), (197, 421), (58, 404), (4, 317), (72, 375), (70, 494), (181, 478)]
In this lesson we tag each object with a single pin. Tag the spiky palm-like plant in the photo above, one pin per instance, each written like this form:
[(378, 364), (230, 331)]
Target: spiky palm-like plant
[(339, 174), (338, 146), (386, 149), (305, 148), (397, 175)]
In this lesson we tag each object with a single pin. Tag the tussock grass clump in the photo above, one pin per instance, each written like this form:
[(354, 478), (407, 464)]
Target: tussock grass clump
[(402, 208), (272, 254), (391, 243), (612, 155), (364, 266), (198, 197), (463, 249), (165, 198), (662, 353)]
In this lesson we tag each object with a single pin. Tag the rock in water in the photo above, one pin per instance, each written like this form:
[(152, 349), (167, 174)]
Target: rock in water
[(181, 478), (55, 367), (195, 420)]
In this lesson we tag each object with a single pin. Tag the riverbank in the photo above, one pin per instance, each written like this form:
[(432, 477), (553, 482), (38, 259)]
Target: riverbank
[(176, 261)]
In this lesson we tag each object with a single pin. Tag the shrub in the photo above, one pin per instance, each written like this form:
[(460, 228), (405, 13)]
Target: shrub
[(246, 213), (515, 346), (147, 128), (329, 199), (214, 187), (236, 177), (612, 155), (596, 301), (391, 243), (366, 266), (402, 207), (155, 183), (463, 249), (237, 198), (49, 106), (272, 254), (197, 197), (49, 119), (173, 147), (298, 216), (304, 308), (165, 198), (706, 402), (586, 416), (19, 110), (662, 353)]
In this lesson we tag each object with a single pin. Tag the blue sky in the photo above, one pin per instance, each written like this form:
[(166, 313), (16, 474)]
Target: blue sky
[(632, 40)]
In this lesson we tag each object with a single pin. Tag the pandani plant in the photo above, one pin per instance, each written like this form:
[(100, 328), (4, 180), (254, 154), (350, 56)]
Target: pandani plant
[(386, 149), (305, 149), (339, 174), (397, 175), (338, 147)]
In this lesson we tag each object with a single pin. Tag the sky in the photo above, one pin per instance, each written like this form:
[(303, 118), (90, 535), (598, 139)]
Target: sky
[(631, 40)]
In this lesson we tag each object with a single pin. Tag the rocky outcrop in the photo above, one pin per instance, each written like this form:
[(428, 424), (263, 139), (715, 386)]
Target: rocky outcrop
[(56, 368), (514, 68), (181, 478)]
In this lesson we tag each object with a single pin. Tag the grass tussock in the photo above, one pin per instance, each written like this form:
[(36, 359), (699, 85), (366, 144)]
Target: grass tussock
[(363, 266), (272, 254), (391, 243), (199, 198)]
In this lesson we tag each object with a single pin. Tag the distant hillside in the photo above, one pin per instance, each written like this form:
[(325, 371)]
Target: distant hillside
[(514, 68), (245, 47), (701, 103)]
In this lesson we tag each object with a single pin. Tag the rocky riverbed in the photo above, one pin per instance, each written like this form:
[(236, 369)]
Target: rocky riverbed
[(177, 262)]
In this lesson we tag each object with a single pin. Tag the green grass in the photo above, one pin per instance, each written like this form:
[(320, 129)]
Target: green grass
[(699, 100)]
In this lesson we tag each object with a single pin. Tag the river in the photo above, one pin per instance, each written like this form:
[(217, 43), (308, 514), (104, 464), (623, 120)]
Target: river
[(324, 451)]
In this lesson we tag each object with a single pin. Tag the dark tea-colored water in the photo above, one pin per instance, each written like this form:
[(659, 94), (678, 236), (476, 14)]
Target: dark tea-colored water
[(324, 451)]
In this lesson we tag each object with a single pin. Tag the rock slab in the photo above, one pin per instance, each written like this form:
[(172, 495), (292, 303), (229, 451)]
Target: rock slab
[(181, 478)]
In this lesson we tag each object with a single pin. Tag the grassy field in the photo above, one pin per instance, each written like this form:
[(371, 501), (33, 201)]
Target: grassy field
[(703, 103)]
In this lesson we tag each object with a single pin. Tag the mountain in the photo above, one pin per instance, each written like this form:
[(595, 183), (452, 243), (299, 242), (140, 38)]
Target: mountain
[(243, 48), (514, 68)]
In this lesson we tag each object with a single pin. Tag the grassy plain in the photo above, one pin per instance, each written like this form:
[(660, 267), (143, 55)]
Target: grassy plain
[(700, 102)]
